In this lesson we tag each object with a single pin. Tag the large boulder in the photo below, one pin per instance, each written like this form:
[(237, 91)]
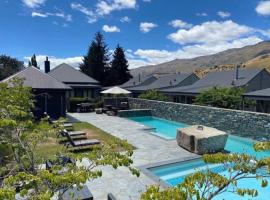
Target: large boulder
[(201, 139)]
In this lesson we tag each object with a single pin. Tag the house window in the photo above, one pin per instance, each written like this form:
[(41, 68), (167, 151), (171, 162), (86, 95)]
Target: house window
[(78, 93)]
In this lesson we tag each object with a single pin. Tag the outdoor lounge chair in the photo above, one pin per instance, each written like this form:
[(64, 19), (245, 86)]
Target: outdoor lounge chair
[(68, 125), (80, 194), (82, 143), (61, 160), (72, 133)]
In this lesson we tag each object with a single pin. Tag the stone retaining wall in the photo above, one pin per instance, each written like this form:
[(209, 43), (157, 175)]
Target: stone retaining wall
[(242, 123), (134, 113)]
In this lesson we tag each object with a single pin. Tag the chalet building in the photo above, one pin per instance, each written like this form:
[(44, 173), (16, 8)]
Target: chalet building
[(250, 79), (140, 80), (165, 82), (82, 86), (50, 94), (262, 98)]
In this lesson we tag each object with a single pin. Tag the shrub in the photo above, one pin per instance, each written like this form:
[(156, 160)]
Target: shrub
[(153, 95), (222, 97)]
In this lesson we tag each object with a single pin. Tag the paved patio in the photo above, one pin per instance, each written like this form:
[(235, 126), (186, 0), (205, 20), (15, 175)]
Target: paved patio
[(150, 149)]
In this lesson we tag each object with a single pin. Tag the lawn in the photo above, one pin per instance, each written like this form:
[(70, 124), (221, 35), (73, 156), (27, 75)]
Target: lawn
[(52, 146)]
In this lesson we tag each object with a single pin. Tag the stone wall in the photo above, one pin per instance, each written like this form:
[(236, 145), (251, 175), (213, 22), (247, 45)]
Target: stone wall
[(135, 113), (241, 123)]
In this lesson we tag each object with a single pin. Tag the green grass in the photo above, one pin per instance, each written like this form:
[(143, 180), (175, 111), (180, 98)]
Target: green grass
[(96, 133), (54, 145)]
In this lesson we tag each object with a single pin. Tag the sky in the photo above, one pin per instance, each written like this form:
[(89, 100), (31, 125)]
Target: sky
[(150, 31)]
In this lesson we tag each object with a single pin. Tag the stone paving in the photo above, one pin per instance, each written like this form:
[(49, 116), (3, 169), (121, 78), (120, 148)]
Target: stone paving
[(150, 149)]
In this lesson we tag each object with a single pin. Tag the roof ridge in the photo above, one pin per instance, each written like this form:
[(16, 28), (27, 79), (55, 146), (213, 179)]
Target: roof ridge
[(13, 75)]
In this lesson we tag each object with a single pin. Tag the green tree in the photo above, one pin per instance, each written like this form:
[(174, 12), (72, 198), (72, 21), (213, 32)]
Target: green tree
[(95, 62), (118, 73), (206, 185), (222, 97), (8, 66), (33, 61), (21, 165), (153, 95)]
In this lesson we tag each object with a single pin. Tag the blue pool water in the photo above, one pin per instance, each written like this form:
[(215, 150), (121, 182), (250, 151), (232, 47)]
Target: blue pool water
[(163, 128), (174, 174)]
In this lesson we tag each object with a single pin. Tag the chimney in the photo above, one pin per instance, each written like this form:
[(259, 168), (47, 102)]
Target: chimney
[(47, 65), (237, 72)]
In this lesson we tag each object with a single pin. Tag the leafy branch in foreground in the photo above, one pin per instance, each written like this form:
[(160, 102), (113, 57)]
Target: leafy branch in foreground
[(22, 168), (205, 185)]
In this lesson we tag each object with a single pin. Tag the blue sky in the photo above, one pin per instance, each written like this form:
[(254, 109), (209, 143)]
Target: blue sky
[(151, 31)]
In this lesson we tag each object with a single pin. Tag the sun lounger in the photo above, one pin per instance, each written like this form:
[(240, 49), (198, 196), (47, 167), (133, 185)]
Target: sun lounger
[(82, 143), (111, 197), (81, 194), (75, 133), (68, 125)]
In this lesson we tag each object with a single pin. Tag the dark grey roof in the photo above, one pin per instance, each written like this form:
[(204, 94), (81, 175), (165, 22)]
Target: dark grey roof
[(218, 79), (36, 79), (83, 85), (259, 93), (137, 81), (165, 81), (68, 74)]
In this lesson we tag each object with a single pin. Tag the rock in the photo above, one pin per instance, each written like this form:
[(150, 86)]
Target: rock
[(201, 139)]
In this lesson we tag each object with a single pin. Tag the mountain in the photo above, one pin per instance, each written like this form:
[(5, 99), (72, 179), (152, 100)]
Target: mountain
[(257, 55)]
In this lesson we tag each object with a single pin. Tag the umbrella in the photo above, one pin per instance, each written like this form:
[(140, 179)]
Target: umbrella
[(116, 90)]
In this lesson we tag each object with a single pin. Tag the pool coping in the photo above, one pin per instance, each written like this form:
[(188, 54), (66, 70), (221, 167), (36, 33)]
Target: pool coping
[(145, 169)]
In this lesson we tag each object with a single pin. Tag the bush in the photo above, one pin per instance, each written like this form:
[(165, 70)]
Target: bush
[(77, 100), (153, 95), (230, 98)]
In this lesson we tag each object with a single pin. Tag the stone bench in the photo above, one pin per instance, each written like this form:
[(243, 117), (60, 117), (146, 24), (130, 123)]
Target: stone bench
[(201, 139)]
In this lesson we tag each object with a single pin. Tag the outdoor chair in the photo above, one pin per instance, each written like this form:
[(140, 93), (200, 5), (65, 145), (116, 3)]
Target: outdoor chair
[(124, 105), (68, 125), (78, 193), (72, 133), (82, 143), (111, 197), (61, 160)]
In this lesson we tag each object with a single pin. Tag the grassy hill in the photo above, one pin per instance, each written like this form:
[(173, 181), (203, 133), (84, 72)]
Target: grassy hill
[(257, 55)]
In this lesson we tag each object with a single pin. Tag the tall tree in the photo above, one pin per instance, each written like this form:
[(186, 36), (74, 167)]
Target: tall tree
[(119, 72), (95, 62), (8, 66), (33, 61)]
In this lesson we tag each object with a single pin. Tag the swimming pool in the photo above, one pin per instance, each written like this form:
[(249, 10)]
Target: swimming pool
[(173, 174), (163, 128)]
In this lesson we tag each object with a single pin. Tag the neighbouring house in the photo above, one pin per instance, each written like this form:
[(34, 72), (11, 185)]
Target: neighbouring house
[(49, 93), (166, 81), (140, 80), (262, 98), (250, 79), (82, 86)]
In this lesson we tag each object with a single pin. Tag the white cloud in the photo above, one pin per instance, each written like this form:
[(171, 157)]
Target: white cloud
[(125, 19), (148, 1), (73, 61), (145, 27), (223, 14), (37, 14), (33, 3), (211, 32), (203, 14), (263, 8), (110, 29), (153, 56), (66, 17), (105, 7), (178, 23), (90, 15)]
